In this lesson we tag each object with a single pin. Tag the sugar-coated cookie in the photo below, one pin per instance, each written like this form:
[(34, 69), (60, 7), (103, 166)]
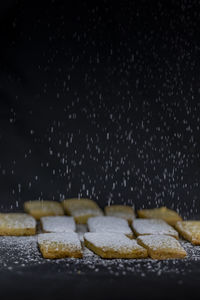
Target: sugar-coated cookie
[(168, 215), (121, 211), (161, 246), (190, 230), (58, 224), (60, 245), (153, 226), (113, 245), (43, 208), (109, 224), (81, 209), (17, 224)]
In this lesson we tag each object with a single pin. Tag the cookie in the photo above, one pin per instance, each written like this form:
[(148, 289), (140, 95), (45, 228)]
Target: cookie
[(121, 211), (113, 245), (109, 224), (168, 215), (43, 208), (161, 246), (81, 209), (17, 224), (58, 224), (190, 230), (153, 226), (60, 245)]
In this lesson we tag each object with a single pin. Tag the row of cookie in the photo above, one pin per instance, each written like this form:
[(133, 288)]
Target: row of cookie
[(82, 209), (151, 234), (156, 235), (109, 237), (109, 245), (24, 224)]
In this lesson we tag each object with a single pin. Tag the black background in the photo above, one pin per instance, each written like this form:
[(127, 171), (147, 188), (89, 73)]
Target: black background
[(100, 100)]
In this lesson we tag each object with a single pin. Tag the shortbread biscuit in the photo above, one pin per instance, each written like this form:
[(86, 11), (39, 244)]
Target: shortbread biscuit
[(161, 246), (81, 209), (113, 245), (43, 208), (168, 215), (190, 230), (121, 211), (60, 245), (153, 226), (58, 224), (109, 224), (17, 224)]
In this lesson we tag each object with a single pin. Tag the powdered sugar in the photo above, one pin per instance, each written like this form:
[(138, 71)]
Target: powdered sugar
[(58, 224), (156, 242), (68, 238), (109, 224), (153, 226), (81, 230), (113, 241)]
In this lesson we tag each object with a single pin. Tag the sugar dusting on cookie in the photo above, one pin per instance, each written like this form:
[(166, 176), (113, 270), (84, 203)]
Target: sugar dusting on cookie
[(58, 224), (65, 238), (160, 241), (153, 226), (17, 220), (109, 224), (109, 240)]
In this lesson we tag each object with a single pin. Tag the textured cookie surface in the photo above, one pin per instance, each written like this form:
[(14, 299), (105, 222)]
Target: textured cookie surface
[(113, 245), (168, 215), (109, 224), (120, 211), (190, 230), (60, 245), (17, 224), (58, 224), (43, 208), (81, 209), (161, 246), (153, 226)]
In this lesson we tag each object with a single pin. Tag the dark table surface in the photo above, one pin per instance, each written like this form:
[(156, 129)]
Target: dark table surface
[(24, 273), (33, 285), (40, 282)]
